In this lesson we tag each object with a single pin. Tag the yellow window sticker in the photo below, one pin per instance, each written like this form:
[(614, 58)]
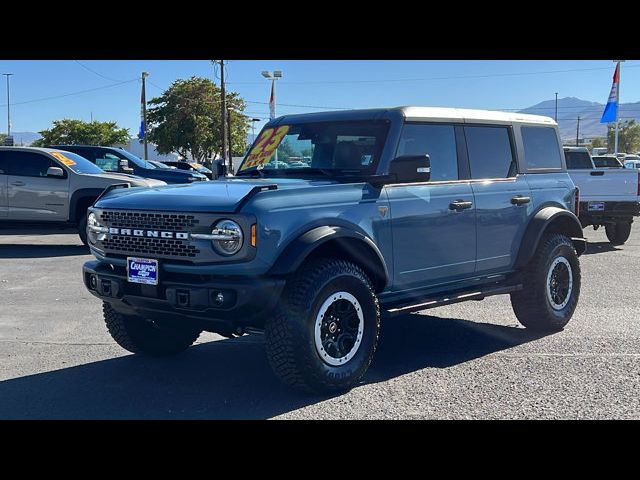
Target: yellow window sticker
[(63, 159), (265, 146)]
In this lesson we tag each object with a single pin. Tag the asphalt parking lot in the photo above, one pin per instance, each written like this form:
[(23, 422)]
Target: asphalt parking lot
[(471, 360)]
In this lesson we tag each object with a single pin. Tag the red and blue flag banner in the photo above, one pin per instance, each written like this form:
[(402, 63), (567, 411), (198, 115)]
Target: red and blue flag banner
[(142, 102), (272, 101), (611, 110)]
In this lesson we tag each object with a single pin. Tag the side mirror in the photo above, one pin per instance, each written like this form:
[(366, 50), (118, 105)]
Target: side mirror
[(411, 169), (55, 172), (124, 166)]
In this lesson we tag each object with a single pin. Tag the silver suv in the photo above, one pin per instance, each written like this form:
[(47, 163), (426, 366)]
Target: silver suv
[(42, 185)]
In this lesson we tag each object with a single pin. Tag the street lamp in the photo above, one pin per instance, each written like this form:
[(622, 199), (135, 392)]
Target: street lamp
[(8, 105), (253, 128), (273, 76)]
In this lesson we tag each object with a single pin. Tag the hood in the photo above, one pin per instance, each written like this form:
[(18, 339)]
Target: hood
[(224, 196), (132, 179)]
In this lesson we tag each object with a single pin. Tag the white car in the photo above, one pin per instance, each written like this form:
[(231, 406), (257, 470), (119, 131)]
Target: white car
[(632, 163)]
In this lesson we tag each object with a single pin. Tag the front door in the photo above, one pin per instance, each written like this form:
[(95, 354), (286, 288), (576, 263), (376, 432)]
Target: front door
[(31, 194), (433, 223), (502, 197)]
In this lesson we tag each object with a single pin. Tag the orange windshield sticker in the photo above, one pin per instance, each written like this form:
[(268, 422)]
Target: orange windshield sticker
[(63, 159), (265, 146)]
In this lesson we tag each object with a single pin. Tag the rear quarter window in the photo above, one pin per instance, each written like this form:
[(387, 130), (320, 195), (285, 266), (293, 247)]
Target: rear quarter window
[(541, 148)]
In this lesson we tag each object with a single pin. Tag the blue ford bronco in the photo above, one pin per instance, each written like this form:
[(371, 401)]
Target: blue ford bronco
[(334, 220)]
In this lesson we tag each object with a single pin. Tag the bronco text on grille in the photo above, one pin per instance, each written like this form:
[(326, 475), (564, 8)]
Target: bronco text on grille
[(149, 233)]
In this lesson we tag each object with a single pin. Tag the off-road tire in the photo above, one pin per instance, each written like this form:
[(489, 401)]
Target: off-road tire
[(82, 228), (618, 233), (141, 336), (532, 305), (290, 332)]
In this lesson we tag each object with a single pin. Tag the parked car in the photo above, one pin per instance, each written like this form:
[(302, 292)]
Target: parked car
[(190, 167), (599, 151), (400, 210), (113, 159), (632, 164), (608, 197), (606, 161), (40, 185)]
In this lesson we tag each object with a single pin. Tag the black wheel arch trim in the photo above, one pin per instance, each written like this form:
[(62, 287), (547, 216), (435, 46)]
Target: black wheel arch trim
[(297, 251), (560, 221), (78, 196)]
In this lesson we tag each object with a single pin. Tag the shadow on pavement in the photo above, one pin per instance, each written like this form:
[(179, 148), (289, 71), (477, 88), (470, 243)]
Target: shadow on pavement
[(231, 378), (599, 247), (41, 251)]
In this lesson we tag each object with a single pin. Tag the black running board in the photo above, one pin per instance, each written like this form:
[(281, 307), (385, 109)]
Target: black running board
[(448, 299)]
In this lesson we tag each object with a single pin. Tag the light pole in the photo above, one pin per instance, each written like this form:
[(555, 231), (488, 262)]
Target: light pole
[(556, 117), (253, 128), (8, 105), (273, 76), (143, 101)]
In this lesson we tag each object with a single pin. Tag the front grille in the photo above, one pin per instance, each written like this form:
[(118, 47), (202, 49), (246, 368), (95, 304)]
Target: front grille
[(152, 246), (160, 221)]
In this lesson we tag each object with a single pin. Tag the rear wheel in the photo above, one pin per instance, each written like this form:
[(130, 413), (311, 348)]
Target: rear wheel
[(618, 233), (323, 334), (142, 336), (551, 286)]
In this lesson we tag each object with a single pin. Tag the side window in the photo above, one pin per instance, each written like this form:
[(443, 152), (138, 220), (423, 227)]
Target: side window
[(575, 160), (490, 154), (437, 141), (541, 148), (28, 164), (107, 161)]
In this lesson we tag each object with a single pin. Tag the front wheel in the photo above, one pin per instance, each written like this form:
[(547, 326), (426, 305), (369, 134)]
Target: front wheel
[(618, 233), (551, 286), (142, 336), (324, 333)]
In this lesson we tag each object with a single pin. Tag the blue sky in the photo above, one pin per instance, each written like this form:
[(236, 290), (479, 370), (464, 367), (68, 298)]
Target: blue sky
[(508, 85)]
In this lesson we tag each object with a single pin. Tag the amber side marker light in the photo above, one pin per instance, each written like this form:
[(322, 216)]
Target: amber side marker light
[(253, 235)]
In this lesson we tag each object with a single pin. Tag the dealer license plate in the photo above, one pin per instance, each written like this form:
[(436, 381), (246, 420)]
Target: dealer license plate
[(596, 206), (142, 270)]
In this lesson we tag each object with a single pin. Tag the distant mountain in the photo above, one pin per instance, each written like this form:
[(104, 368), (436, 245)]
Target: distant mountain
[(570, 108), (25, 138)]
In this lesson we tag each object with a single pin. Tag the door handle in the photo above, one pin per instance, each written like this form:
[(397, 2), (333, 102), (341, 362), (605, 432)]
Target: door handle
[(18, 184), (520, 200), (597, 173), (460, 205)]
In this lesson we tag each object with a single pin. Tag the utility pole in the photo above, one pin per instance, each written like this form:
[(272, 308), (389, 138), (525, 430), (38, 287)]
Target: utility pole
[(229, 141), (143, 100), (8, 105), (223, 118), (578, 133), (556, 116)]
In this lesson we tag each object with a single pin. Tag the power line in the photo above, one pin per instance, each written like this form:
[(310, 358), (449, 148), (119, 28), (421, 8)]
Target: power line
[(96, 73), (454, 77), (80, 92)]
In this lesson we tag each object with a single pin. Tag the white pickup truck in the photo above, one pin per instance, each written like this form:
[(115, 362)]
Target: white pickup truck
[(608, 196)]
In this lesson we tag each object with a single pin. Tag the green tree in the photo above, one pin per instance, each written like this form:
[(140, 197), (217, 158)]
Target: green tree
[(77, 132), (628, 136), (2, 137), (185, 119), (598, 142)]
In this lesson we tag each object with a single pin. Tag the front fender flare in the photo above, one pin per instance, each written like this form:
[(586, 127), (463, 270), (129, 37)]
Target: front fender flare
[(296, 252)]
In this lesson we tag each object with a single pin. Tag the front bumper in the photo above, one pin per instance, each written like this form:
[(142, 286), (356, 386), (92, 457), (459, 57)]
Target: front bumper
[(246, 300)]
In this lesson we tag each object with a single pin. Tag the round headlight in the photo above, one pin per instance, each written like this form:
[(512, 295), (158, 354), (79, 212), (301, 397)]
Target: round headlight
[(92, 221), (229, 237)]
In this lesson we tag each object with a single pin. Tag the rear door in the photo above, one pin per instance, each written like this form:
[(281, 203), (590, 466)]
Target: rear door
[(31, 194), (4, 205), (502, 197)]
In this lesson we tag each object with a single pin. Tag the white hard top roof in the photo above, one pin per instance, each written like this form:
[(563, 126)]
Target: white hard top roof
[(469, 115)]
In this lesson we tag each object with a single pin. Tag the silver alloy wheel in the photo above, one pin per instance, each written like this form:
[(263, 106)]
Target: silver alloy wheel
[(338, 328), (559, 284)]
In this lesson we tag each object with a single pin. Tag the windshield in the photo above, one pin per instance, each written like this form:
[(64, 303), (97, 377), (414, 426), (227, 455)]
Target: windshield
[(331, 147), (136, 160), (76, 163)]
